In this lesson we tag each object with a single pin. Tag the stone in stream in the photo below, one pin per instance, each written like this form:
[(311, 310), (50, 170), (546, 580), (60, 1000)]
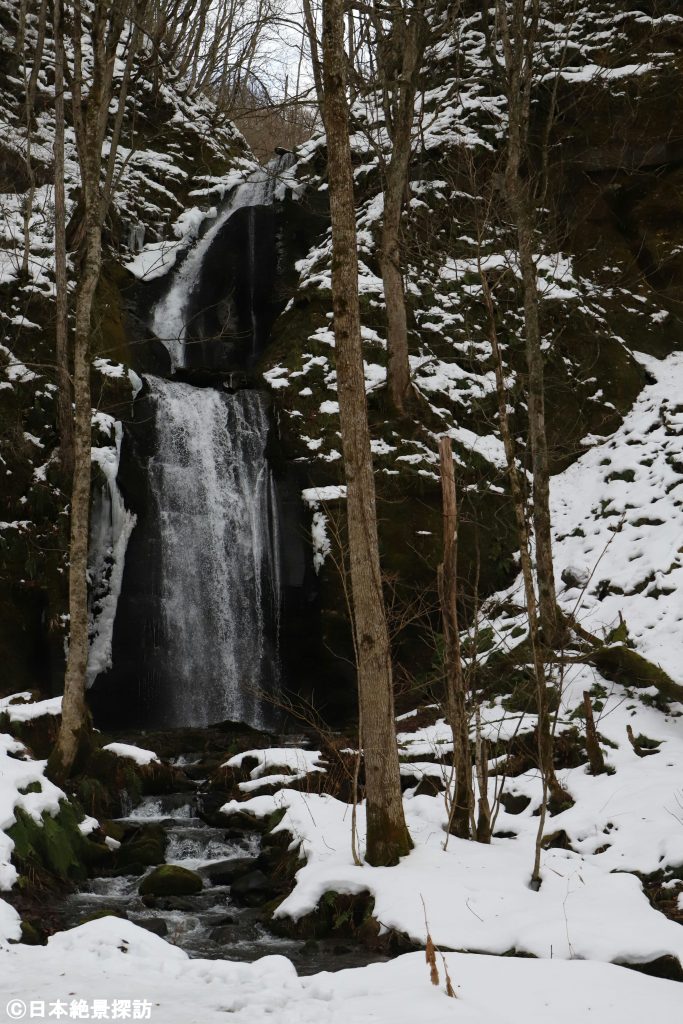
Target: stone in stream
[(156, 925), (253, 890), (171, 880), (225, 872), (184, 904), (143, 846)]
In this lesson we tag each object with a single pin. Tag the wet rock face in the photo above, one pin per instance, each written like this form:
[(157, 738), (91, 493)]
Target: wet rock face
[(237, 300)]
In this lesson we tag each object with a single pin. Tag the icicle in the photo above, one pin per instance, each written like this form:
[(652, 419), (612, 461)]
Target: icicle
[(112, 525)]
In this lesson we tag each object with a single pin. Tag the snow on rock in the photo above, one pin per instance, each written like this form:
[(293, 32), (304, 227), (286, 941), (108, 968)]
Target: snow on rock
[(477, 897), (18, 772), (313, 496), (19, 707), (296, 759), (138, 754)]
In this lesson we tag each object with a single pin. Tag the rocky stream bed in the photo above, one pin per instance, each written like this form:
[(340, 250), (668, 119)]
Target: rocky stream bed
[(202, 881)]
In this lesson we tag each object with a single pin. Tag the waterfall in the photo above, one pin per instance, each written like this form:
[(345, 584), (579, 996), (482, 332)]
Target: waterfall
[(170, 316), (219, 552)]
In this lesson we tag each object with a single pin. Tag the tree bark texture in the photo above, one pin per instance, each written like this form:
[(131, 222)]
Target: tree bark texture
[(387, 834), (64, 391)]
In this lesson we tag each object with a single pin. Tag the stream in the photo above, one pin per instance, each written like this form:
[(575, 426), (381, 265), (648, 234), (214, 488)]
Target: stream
[(210, 924)]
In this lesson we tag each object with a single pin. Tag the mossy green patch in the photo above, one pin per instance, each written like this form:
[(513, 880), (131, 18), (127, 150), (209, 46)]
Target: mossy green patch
[(171, 880)]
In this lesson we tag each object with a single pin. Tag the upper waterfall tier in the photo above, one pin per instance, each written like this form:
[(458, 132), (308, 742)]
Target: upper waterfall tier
[(181, 312)]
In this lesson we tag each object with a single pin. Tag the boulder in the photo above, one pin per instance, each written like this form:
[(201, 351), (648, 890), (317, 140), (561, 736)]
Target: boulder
[(171, 880), (156, 925), (225, 872), (253, 889)]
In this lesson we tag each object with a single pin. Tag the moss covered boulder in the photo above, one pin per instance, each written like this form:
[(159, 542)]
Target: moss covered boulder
[(141, 847), (171, 880)]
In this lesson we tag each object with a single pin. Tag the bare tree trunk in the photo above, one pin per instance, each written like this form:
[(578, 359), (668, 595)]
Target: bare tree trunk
[(74, 729), (545, 739), (316, 64), (398, 363), (595, 758), (463, 800), (387, 835), (483, 833), (400, 49), (29, 104), (538, 441), (90, 123), (64, 395), (518, 26)]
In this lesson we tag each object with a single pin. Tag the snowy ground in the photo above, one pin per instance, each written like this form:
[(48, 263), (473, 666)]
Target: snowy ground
[(589, 912), (617, 516), (477, 897), (112, 960)]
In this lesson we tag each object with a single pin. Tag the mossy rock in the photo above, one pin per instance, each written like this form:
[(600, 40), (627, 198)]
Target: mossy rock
[(622, 665), (146, 847), (30, 935), (171, 880), (103, 779), (344, 915), (53, 847)]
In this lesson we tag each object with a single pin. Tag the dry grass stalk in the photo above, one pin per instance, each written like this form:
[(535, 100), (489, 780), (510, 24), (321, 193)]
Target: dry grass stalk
[(450, 991), (430, 957), (430, 950)]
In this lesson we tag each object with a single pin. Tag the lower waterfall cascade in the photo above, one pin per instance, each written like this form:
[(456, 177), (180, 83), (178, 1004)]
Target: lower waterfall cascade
[(219, 553)]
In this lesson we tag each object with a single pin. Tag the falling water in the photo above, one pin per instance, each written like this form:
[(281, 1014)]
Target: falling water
[(170, 317), (220, 567)]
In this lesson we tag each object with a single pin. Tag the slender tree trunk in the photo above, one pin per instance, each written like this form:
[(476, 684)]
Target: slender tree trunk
[(64, 393), (90, 122), (387, 835), (538, 440), (29, 104), (483, 833), (398, 363), (463, 800), (545, 739), (74, 730), (400, 51)]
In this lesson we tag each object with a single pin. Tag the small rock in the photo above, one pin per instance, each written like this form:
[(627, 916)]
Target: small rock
[(253, 889), (156, 925)]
